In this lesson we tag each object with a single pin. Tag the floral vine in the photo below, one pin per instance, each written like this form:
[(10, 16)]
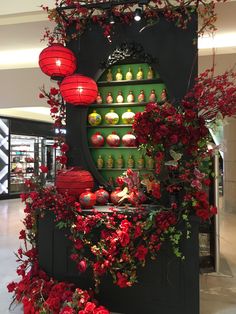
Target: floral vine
[(82, 15), (58, 114)]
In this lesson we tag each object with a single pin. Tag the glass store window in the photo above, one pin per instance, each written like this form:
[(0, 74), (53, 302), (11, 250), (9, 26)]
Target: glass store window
[(25, 160)]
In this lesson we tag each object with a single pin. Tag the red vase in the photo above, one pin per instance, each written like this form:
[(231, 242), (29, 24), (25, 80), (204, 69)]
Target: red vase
[(136, 197), (113, 140), (74, 181), (97, 140), (87, 199), (129, 140), (102, 196), (114, 197)]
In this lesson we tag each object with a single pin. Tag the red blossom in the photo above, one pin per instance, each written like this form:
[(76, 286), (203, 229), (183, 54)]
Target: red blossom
[(120, 181), (82, 266), (64, 147), (124, 237), (43, 168), (22, 235), (122, 280), (11, 286), (67, 310), (141, 252)]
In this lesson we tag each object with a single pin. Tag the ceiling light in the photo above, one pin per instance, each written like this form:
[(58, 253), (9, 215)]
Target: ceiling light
[(138, 15)]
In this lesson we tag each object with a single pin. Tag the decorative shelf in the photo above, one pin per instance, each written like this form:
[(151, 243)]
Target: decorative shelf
[(111, 147), (130, 82), (110, 126), (123, 104)]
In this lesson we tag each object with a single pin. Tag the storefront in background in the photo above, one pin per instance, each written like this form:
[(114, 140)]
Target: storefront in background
[(24, 146)]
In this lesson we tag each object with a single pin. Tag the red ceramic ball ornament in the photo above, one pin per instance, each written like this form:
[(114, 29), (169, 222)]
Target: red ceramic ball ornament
[(87, 199)]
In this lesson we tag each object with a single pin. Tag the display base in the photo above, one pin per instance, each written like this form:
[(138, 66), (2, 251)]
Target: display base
[(167, 285)]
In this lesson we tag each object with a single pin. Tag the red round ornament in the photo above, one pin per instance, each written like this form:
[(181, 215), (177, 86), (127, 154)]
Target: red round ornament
[(129, 140), (136, 197), (57, 61), (78, 90), (74, 181), (87, 199), (113, 140), (97, 140), (102, 196), (114, 196)]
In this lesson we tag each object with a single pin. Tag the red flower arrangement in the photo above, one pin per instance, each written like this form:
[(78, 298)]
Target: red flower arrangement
[(118, 243), (177, 136)]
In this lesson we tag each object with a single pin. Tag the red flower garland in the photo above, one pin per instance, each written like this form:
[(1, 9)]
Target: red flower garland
[(180, 13)]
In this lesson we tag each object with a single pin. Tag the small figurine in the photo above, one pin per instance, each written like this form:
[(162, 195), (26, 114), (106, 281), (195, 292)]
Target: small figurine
[(129, 75), (139, 75), (152, 96), (130, 162), (119, 98), (150, 74), (109, 98), (99, 99), (120, 162), (119, 75), (130, 97), (141, 96), (100, 162), (164, 95), (109, 75), (110, 162), (150, 163), (140, 163)]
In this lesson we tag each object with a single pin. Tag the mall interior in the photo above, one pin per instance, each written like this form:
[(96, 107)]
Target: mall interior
[(27, 119)]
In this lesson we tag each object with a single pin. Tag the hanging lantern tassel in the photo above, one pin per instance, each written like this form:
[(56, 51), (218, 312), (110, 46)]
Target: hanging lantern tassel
[(57, 61), (79, 90)]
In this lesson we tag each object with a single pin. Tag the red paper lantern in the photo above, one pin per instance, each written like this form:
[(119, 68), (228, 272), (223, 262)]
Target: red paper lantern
[(57, 61), (74, 181), (77, 89)]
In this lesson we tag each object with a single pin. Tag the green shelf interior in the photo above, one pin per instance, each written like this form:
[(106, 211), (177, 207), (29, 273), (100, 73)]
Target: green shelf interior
[(125, 68), (147, 88), (106, 151)]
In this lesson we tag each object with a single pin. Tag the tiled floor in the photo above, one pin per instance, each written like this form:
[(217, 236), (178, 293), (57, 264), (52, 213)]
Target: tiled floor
[(218, 293)]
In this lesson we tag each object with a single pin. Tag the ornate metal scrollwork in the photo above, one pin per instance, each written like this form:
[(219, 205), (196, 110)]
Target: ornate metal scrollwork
[(128, 52)]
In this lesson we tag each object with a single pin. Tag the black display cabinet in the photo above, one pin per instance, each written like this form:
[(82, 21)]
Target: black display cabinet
[(167, 285)]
